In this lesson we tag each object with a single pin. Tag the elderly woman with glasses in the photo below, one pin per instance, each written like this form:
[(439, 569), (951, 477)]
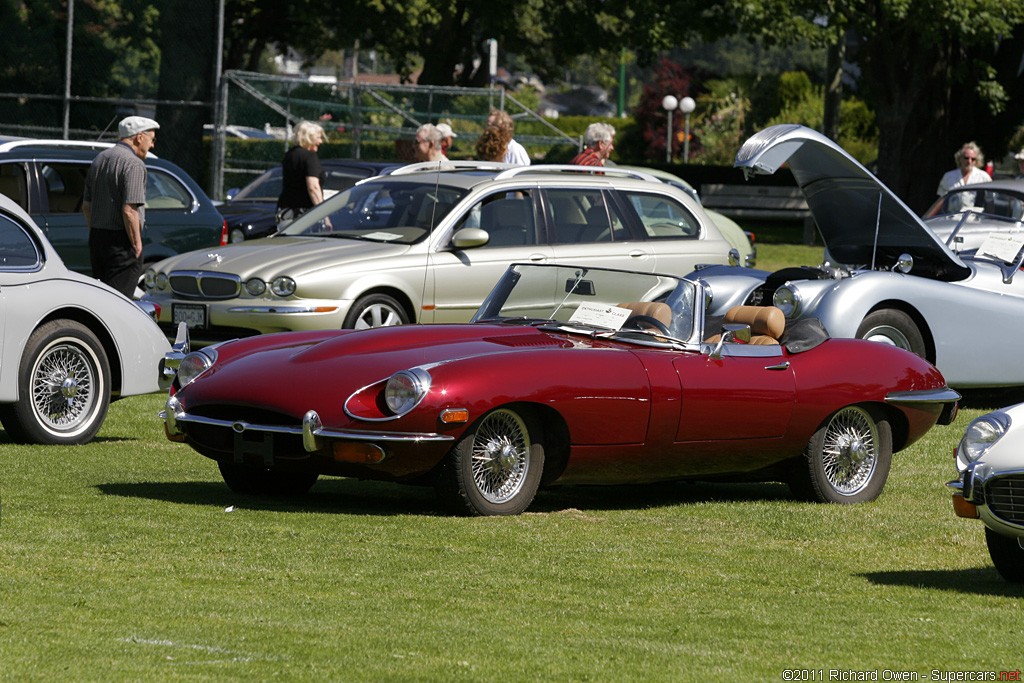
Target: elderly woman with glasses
[(969, 160)]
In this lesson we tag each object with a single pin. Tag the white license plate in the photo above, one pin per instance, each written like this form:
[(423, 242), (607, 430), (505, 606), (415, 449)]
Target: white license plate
[(193, 315)]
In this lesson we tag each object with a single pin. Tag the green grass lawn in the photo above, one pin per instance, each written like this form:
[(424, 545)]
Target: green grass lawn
[(128, 559)]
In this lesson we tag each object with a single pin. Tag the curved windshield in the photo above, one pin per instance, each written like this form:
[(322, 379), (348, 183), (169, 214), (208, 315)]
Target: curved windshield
[(380, 211), (595, 301)]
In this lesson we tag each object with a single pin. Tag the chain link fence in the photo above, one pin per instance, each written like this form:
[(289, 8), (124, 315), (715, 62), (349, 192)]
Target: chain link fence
[(362, 121)]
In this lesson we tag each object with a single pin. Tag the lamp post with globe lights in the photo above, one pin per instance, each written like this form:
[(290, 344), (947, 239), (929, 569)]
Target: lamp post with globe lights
[(669, 104), (687, 105)]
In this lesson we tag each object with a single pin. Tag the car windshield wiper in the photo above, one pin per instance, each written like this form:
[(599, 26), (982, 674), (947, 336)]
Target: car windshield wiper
[(521, 320)]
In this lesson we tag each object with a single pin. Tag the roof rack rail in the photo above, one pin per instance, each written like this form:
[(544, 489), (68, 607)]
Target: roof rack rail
[(567, 168), (60, 144), (471, 165)]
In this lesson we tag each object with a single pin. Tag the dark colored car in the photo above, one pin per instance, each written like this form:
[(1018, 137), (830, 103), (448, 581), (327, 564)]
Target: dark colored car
[(46, 178), (252, 211)]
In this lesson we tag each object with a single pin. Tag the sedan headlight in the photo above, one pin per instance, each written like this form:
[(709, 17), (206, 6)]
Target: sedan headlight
[(981, 435), (154, 280), (283, 286), (195, 364), (787, 298), (406, 389), (255, 286)]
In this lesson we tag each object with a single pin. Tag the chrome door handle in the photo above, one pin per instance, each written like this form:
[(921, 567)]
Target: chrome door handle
[(780, 366)]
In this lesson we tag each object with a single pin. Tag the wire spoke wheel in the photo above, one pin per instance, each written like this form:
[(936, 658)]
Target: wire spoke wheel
[(63, 386), (847, 459), (496, 466), (500, 459), (850, 451)]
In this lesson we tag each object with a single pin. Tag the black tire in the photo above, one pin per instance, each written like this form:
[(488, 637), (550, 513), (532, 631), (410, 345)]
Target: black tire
[(894, 327), (495, 468), (847, 460), (375, 310), (1007, 555), (258, 481), (63, 387)]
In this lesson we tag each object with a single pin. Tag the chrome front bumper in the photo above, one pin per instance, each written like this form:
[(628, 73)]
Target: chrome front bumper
[(314, 435)]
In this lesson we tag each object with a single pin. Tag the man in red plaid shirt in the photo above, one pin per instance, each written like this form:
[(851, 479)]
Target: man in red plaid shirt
[(599, 138)]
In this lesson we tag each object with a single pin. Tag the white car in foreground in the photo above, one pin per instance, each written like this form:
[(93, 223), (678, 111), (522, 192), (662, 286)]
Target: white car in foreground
[(990, 460), (68, 343)]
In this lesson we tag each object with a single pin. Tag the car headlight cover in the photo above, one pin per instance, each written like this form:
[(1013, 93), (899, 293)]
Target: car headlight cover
[(981, 435), (787, 298), (162, 280), (255, 286), (195, 364), (283, 286), (406, 389), (149, 279)]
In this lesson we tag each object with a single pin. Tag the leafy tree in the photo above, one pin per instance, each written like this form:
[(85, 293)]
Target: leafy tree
[(936, 72)]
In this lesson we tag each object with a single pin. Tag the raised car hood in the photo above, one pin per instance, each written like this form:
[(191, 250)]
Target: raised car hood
[(854, 211), (276, 255)]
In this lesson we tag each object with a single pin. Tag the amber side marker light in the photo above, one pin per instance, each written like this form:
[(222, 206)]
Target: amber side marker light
[(964, 509), (454, 415), (362, 453)]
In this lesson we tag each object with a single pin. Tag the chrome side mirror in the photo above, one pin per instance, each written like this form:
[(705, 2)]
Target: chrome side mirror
[(734, 257), (731, 333), (904, 264)]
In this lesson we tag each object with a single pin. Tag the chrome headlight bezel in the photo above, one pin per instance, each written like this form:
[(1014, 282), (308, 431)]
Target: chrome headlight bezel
[(405, 390), (195, 365), (983, 433), (255, 286), (283, 286), (787, 298)]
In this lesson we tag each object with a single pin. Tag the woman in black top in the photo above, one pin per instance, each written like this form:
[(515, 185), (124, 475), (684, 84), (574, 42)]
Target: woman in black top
[(301, 187)]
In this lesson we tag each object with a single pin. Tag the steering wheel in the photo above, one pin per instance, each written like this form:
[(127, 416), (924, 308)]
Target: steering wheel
[(641, 322)]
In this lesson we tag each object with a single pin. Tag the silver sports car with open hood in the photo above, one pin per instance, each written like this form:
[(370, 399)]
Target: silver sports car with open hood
[(885, 276)]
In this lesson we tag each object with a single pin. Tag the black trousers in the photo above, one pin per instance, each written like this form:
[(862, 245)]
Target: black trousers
[(114, 261)]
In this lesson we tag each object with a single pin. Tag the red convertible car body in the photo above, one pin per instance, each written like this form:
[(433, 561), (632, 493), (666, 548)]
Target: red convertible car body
[(568, 374)]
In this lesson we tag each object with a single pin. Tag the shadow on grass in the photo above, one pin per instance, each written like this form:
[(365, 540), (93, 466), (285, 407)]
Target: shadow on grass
[(981, 581), (351, 496)]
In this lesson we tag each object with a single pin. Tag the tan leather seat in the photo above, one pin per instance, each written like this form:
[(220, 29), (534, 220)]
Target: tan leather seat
[(767, 323), (652, 309)]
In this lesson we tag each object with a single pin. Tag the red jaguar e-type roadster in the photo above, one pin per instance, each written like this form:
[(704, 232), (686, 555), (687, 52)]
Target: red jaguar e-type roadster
[(566, 374)]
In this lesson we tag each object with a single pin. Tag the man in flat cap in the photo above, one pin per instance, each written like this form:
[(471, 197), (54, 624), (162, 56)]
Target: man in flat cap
[(114, 205)]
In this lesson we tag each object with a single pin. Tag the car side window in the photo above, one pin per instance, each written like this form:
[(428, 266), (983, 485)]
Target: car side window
[(18, 250), (12, 184), (65, 184), (507, 217), (164, 191), (580, 216), (663, 217)]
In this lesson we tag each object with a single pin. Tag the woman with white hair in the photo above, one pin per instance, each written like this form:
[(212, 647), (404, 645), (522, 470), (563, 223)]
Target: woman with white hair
[(301, 173)]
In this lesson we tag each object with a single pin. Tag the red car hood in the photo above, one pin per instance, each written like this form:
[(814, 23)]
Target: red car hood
[(293, 372)]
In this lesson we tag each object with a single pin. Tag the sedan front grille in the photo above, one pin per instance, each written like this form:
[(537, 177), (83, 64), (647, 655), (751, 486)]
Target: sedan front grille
[(1005, 498), (198, 284)]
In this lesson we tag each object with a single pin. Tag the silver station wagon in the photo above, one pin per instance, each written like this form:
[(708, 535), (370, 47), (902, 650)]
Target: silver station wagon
[(426, 244)]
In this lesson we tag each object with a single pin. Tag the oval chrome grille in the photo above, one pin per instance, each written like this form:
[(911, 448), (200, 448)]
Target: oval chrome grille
[(197, 284), (1005, 498)]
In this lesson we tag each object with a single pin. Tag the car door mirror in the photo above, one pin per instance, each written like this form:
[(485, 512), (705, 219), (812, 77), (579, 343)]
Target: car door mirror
[(468, 238), (731, 333)]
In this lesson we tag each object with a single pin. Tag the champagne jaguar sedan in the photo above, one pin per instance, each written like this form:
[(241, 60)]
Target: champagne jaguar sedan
[(426, 243)]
